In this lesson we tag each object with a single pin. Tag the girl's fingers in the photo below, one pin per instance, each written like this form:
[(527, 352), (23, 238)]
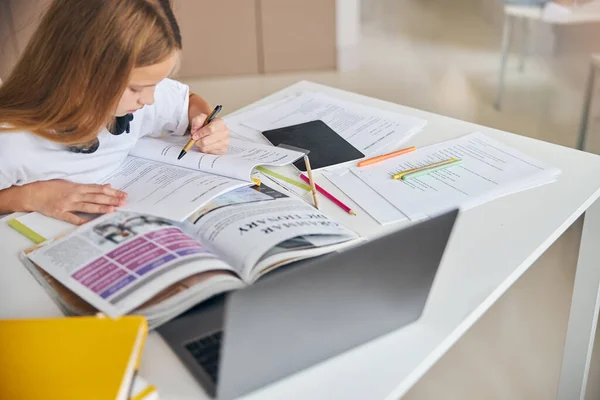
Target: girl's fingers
[(91, 208), (103, 189), (72, 218), (98, 198), (208, 140), (216, 148)]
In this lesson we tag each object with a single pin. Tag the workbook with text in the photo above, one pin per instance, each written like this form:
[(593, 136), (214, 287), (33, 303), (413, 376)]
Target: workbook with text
[(126, 262), (159, 184)]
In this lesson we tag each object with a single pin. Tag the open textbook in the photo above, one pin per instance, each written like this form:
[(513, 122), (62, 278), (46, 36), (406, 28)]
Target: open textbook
[(159, 184), (130, 263)]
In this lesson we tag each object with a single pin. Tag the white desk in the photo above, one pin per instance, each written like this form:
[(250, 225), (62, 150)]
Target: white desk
[(492, 246)]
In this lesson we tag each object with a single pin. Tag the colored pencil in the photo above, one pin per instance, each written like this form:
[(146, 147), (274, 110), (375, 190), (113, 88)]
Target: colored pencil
[(311, 181), (383, 157), (414, 172), (331, 197)]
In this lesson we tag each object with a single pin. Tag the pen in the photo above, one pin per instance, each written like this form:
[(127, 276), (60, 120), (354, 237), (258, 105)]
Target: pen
[(414, 172), (191, 142), (383, 157), (330, 196)]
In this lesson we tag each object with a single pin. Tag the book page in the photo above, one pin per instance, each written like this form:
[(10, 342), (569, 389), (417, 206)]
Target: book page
[(119, 261), (238, 162), (244, 195), (366, 128), (165, 190), (368, 199), (243, 234), (241, 131), (488, 170)]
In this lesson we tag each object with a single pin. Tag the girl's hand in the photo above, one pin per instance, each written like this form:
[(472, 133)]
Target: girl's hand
[(62, 199), (211, 139)]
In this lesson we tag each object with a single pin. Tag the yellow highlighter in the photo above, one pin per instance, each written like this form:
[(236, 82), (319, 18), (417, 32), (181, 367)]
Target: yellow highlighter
[(426, 169)]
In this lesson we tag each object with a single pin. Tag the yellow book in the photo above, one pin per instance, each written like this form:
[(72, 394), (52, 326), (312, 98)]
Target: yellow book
[(70, 358)]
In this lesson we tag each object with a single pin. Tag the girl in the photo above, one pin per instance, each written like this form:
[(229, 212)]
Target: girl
[(91, 82)]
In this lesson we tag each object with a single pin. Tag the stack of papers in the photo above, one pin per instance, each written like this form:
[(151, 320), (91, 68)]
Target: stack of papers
[(488, 170), (368, 129)]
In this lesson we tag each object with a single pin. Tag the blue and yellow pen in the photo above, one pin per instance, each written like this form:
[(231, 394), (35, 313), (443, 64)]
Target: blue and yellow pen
[(419, 171)]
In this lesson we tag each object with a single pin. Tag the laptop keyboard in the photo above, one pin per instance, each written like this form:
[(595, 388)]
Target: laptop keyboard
[(206, 351)]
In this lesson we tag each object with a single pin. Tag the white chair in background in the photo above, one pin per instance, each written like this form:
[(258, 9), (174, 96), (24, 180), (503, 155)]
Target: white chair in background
[(587, 102), (550, 13)]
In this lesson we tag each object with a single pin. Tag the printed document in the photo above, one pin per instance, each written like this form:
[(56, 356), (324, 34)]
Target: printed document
[(366, 128), (488, 170)]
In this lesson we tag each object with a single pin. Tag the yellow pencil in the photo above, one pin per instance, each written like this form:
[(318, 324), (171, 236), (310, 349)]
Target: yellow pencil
[(399, 175), (311, 181)]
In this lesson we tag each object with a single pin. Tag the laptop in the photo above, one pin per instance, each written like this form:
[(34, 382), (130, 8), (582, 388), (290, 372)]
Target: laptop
[(308, 312)]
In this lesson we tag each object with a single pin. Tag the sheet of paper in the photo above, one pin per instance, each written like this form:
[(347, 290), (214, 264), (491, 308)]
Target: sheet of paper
[(368, 199), (488, 170), (366, 128), (241, 131), (238, 162), (167, 191)]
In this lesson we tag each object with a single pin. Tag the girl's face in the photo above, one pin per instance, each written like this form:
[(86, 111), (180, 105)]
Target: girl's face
[(142, 82)]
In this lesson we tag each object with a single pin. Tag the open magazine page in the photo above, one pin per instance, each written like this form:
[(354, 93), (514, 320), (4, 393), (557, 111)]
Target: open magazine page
[(120, 260), (243, 234), (243, 195), (298, 249), (165, 190), (238, 162)]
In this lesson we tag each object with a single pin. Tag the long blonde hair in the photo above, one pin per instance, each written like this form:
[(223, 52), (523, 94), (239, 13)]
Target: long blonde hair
[(69, 79)]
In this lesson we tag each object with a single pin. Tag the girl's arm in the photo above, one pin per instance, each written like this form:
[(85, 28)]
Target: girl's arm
[(14, 199)]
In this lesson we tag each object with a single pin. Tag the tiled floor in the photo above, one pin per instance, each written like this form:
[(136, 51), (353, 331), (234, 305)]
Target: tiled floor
[(443, 56)]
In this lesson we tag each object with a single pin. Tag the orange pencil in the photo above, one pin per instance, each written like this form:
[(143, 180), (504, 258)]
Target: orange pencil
[(382, 157)]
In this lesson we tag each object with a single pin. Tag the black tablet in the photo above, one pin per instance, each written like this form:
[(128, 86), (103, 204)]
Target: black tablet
[(326, 147)]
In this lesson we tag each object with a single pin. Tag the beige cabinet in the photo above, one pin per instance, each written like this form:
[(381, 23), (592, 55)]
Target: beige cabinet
[(298, 35), (220, 37), (8, 44), (18, 20), (232, 37)]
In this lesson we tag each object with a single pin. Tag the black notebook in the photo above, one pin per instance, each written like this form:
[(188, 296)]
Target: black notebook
[(326, 147)]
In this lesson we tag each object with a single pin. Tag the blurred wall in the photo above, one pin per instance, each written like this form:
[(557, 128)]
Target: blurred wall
[(231, 37), (18, 19)]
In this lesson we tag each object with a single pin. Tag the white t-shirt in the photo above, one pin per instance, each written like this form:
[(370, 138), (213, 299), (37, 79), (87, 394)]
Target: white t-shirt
[(26, 158)]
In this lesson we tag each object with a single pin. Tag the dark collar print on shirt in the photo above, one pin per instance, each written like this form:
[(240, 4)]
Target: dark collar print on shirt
[(122, 124)]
